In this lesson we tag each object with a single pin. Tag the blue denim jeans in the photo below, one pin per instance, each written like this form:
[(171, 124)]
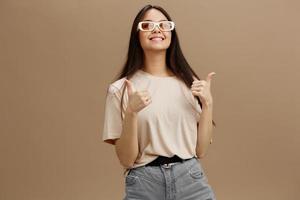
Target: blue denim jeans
[(179, 181)]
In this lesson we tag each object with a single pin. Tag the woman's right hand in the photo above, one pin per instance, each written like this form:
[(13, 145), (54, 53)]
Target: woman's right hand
[(137, 100)]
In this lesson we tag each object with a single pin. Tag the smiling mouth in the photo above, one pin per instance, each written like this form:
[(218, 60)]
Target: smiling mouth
[(156, 39)]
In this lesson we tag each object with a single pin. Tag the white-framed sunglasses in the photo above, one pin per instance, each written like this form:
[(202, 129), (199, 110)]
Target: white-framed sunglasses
[(150, 26)]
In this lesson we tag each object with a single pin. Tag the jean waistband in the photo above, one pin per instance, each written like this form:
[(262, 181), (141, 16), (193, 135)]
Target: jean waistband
[(162, 160)]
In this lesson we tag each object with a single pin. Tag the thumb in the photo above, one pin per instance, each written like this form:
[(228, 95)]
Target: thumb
[(209, 76), (130, 87)]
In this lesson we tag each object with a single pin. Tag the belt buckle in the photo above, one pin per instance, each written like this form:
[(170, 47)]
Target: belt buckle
[(168, 165)]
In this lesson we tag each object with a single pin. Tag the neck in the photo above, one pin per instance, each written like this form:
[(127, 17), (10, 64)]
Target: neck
[(155, 63)]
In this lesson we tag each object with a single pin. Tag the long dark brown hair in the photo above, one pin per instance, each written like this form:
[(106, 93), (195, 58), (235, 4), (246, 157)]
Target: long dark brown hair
[(175, 59)]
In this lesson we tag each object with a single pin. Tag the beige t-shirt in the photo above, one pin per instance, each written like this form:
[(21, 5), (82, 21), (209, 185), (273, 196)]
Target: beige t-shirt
[(167, 126)]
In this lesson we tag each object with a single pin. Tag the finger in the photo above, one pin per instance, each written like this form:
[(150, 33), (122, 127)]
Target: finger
[(130, 87), (197, 87), (199, 81), (196, 93), (209, 76), (143, 93), (148, 101), (198, 84), (196, 90), (146, 98), (196, 81)]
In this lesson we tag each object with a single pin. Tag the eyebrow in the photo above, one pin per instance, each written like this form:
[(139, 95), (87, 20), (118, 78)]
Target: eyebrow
[(152, 20)]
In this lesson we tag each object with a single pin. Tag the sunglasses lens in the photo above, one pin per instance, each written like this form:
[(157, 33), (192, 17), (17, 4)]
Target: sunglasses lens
[(166, 26), (146, 26), (163, 26)]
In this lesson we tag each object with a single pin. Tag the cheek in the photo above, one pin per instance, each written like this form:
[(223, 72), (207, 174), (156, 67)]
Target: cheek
[(168, 34), (143, 37), (169, 37)]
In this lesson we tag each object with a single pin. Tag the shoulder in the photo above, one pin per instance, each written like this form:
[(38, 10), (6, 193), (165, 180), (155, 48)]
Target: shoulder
[(116, 86)]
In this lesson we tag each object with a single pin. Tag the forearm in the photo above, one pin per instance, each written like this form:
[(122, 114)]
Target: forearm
[(204, 135), (127, 146)]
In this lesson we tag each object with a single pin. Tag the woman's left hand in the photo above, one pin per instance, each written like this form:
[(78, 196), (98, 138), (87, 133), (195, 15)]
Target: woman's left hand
[(201, 88)]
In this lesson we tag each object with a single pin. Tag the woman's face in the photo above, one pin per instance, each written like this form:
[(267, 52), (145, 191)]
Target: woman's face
[(155, 40)]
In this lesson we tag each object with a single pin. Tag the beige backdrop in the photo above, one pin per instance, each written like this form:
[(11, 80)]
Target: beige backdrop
[(58, 57)]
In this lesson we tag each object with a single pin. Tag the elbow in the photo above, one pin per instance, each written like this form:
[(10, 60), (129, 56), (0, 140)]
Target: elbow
[(126, 161), (126, 156), (200, 153), (127, 164), (200, 156)]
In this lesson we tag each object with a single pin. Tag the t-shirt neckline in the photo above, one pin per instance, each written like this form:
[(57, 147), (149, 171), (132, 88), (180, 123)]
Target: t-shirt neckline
[(153, 76)]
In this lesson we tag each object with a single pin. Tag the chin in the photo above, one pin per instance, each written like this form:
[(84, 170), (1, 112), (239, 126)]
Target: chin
[(157, 48)]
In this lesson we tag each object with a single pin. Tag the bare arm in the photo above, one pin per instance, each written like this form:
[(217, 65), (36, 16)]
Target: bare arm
[(127, 145), (204, 134), (201, 88), (127, 148)]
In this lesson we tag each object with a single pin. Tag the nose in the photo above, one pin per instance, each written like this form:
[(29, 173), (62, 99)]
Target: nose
[(156, 29)]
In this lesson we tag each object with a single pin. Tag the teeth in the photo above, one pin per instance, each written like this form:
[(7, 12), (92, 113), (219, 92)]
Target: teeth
[(156, 38)]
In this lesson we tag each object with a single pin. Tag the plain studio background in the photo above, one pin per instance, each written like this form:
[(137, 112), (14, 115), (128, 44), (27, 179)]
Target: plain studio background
[(58, 57)]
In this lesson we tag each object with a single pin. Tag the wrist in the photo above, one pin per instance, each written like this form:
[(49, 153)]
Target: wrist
[(130, 111), (207, 106)]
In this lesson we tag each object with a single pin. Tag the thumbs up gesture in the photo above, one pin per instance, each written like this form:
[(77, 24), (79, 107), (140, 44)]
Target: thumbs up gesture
[(201, 88), (137, 100)]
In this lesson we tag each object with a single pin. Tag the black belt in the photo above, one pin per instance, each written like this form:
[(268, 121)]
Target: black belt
[(160, 160)]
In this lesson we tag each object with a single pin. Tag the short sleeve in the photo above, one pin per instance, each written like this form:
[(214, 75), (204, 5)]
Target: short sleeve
[(112, 127)]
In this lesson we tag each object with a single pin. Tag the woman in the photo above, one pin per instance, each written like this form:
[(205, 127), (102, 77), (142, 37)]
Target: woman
[(158, 114)]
